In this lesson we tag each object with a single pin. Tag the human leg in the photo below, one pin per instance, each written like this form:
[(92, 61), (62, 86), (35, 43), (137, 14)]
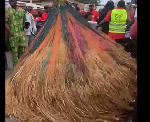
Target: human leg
[(7, 44), (131, 47), (6, 64), (27, 39), (22, 45), (14, 49), (120, 41), (30, 40)]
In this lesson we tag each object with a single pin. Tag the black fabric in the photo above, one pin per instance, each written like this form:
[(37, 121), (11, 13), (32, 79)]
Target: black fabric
[(102, 14), (134, 117), (129, 46), (87, 15), (39, 25), (128, 27), (120, 41), (105, 26), (7, 44)]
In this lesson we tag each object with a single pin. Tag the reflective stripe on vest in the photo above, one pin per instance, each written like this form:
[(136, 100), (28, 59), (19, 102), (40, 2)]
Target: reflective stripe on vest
[(118, 21)]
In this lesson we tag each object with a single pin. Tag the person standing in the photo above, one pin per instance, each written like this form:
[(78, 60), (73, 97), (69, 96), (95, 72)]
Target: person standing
[(129, 45), (32, 28), (117, 19), (7, 44), (133, 34), (45, 14), (135, 12), (94, 13), (15, 26), (35, 16), (105, 26), (6, 35)]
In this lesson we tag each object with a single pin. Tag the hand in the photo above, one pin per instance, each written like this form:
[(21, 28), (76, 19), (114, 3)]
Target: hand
[(7, 15), (26, 27), (11, 33), (97, 27)]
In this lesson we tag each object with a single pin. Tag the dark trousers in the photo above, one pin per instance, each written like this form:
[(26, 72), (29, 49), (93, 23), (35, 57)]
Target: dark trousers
[(129, 46), (134, 117), (120, 41), (7, 44)]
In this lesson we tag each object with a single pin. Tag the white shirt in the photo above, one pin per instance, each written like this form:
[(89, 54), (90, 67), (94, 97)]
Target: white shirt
[(7, 5), (93, 25), (32, 28), (135, 15)]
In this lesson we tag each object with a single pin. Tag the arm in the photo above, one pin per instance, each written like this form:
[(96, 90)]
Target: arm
[(106, 19), (101, 17), (128, 17), (7, 15), (8, 28), (44, 16), (102, 22), (34, 29), (128, 13)]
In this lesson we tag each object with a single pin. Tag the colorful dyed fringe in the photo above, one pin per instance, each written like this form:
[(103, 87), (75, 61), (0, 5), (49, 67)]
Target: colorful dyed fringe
[(70, 73)]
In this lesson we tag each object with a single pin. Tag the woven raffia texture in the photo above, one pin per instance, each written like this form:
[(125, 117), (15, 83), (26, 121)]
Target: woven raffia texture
[(70, 73)]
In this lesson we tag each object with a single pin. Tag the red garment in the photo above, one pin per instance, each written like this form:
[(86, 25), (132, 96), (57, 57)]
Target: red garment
[(6, 31), (83, 13), (44, 16), (48, 5), (31, 12), (36, 10), (35, 19), (115, 35), (19, 5), (95, 15), (133, 32), (39, 18), (131, 14)]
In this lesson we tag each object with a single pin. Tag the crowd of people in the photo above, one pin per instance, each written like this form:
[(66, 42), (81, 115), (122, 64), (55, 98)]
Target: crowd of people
[(22, 23), (114, 21)]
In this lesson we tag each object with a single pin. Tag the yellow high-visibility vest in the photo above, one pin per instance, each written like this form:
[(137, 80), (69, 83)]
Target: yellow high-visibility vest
[(118, 21)]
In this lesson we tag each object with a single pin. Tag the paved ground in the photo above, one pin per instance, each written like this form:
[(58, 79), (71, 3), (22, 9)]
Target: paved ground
[(8, 73), (8, 120)]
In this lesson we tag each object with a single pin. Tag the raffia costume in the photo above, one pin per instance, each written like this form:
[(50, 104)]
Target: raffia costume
[(71, 73)]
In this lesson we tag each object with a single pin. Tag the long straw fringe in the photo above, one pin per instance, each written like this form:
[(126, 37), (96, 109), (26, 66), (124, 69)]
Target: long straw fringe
[(69, 78)]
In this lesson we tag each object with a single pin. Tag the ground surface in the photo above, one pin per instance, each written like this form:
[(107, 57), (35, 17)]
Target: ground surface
[(8, 73)]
